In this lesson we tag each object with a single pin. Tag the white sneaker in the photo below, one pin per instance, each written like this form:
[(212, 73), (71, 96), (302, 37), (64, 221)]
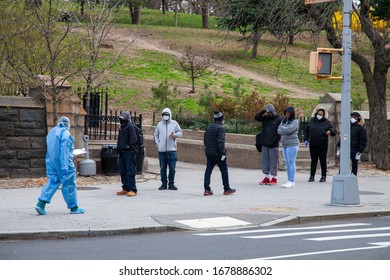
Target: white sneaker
[(288, 184)]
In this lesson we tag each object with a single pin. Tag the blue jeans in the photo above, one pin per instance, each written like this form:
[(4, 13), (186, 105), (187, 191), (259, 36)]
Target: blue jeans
[(211, 162), (127, 167), (167, 159), (290, 156)]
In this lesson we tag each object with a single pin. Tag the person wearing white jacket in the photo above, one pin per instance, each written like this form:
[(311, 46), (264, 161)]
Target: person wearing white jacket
[(165, 134)]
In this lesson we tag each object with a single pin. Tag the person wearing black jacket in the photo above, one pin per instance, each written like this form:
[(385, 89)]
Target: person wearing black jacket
[(270, 143), (126, 147), (358, 140), (316, 135), (214, 141)]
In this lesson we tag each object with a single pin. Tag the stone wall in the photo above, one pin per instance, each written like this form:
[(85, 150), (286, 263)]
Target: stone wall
[(22, 137)]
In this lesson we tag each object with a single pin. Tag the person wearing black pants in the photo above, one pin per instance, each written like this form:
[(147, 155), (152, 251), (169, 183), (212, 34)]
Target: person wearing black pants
[(316, 133), (214, 141)]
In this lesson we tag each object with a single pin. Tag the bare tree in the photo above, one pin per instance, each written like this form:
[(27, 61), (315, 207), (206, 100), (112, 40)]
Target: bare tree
[(195, 67)]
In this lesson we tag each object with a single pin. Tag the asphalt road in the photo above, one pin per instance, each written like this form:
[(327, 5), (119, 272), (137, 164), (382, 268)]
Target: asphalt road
[(358, 239)]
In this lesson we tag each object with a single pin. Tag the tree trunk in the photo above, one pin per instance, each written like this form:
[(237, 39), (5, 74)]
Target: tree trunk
[(175, 14), (135, 13), (205, 14), (82, 3), (291, 39), (164, 4), (256, 39)]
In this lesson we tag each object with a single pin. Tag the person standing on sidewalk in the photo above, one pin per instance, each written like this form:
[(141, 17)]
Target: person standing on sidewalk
[(60, 168), (316, 136), (165, 134), (270, 144), (127, 165), (214, 141), (358, 140), (288, 130)]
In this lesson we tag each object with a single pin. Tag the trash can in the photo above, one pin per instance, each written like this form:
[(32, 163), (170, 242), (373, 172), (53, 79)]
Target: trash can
[(139, 159), (109, 160)]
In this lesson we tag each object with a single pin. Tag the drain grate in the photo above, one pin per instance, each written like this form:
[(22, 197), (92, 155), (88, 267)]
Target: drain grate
[(87, 188), (370, 193)]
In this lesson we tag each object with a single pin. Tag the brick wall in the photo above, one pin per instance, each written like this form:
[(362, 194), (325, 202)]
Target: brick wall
[(22, 137)]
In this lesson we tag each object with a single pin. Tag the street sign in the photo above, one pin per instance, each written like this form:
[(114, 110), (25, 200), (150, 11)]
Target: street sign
[(316, 1)]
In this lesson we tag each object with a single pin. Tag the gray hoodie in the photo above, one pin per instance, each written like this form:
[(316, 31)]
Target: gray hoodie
[(162, 132), (288, 129)]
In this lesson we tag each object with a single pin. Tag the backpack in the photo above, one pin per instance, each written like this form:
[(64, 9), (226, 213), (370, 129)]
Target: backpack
[(140, 137)]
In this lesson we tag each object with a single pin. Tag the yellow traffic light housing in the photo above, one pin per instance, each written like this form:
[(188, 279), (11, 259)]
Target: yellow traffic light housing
[(321, 63)]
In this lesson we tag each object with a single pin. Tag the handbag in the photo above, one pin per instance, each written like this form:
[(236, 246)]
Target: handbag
[(258, 142)]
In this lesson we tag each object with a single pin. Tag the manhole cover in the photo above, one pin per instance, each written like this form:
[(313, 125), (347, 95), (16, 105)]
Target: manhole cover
[(370, 193), (87, 188), (273, 209)]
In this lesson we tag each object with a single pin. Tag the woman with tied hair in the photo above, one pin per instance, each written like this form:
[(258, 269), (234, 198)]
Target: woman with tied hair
[(288, 131), (316, 136)]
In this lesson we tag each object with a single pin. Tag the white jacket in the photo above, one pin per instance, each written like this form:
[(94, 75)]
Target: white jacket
[(162, 132)]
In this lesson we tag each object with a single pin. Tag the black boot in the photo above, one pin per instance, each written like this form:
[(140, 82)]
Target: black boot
[(323, 179), (311, 179)]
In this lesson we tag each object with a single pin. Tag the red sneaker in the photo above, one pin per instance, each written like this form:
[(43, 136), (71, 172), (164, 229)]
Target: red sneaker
[(273, 182), (229, 191), (265, 181), (208, 193)]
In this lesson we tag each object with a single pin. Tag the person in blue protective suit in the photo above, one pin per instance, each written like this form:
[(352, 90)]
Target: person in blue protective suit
[(60, 168)]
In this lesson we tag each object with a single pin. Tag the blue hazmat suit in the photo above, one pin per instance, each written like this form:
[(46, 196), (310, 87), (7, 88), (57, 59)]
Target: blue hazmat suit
[(60, 168)]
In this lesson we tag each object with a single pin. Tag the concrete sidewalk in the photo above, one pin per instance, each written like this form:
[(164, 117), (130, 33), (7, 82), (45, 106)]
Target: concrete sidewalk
[(186, 208)]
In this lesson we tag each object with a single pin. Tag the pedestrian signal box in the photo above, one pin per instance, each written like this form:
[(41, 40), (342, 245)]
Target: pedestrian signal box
[(321, 63)]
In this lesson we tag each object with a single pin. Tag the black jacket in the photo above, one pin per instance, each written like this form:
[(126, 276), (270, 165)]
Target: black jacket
[(315, 131), (127, 138), (269, 133), (214, 140), (358, 137)]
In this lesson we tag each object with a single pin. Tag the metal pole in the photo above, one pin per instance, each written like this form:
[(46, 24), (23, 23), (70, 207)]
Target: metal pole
[(345, 190)]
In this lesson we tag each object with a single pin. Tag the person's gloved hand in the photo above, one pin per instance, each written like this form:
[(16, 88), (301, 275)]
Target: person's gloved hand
[(306, 142), (223, 158), (338, 151), (358, 155), (64, 172)]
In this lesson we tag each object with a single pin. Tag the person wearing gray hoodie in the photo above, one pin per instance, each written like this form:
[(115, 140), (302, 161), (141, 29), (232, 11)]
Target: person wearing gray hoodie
[(165, 134), (288, 130)]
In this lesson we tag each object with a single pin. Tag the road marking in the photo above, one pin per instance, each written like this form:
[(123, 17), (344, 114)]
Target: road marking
[(340, 237), (314, 232), (385, 245), (280, 229), (213, 222)]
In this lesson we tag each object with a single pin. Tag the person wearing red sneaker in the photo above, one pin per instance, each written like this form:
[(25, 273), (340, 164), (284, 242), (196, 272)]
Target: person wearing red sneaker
[(214, 141), (270, 143)]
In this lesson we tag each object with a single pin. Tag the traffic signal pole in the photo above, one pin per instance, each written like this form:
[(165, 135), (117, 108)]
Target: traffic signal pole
[(345, 189)]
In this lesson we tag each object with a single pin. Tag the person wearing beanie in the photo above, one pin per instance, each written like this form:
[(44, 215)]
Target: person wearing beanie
[(270, 144), (316, 136), (214, 142), (127, 165), (165, 135), (60, 168), (288, 130), (358, 140)]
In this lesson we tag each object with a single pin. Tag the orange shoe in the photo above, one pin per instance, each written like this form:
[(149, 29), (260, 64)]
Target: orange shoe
[(122, 192), (131, 194)]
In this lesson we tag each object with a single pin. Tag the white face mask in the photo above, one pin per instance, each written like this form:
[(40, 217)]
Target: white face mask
[(353, 120), (319, 117), (165, 118)]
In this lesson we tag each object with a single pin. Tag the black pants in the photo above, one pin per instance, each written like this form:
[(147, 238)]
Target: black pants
[(211, 162), (318, 152), (354, 161)]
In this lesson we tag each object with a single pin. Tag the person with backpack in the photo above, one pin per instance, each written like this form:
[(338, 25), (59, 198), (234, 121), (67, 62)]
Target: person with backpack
[(270, 144), (126, 147), (165, 135)]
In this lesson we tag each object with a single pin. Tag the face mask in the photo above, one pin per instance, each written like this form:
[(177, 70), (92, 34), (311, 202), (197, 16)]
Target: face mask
[(165, 118), (353, 120), (319, 117)]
